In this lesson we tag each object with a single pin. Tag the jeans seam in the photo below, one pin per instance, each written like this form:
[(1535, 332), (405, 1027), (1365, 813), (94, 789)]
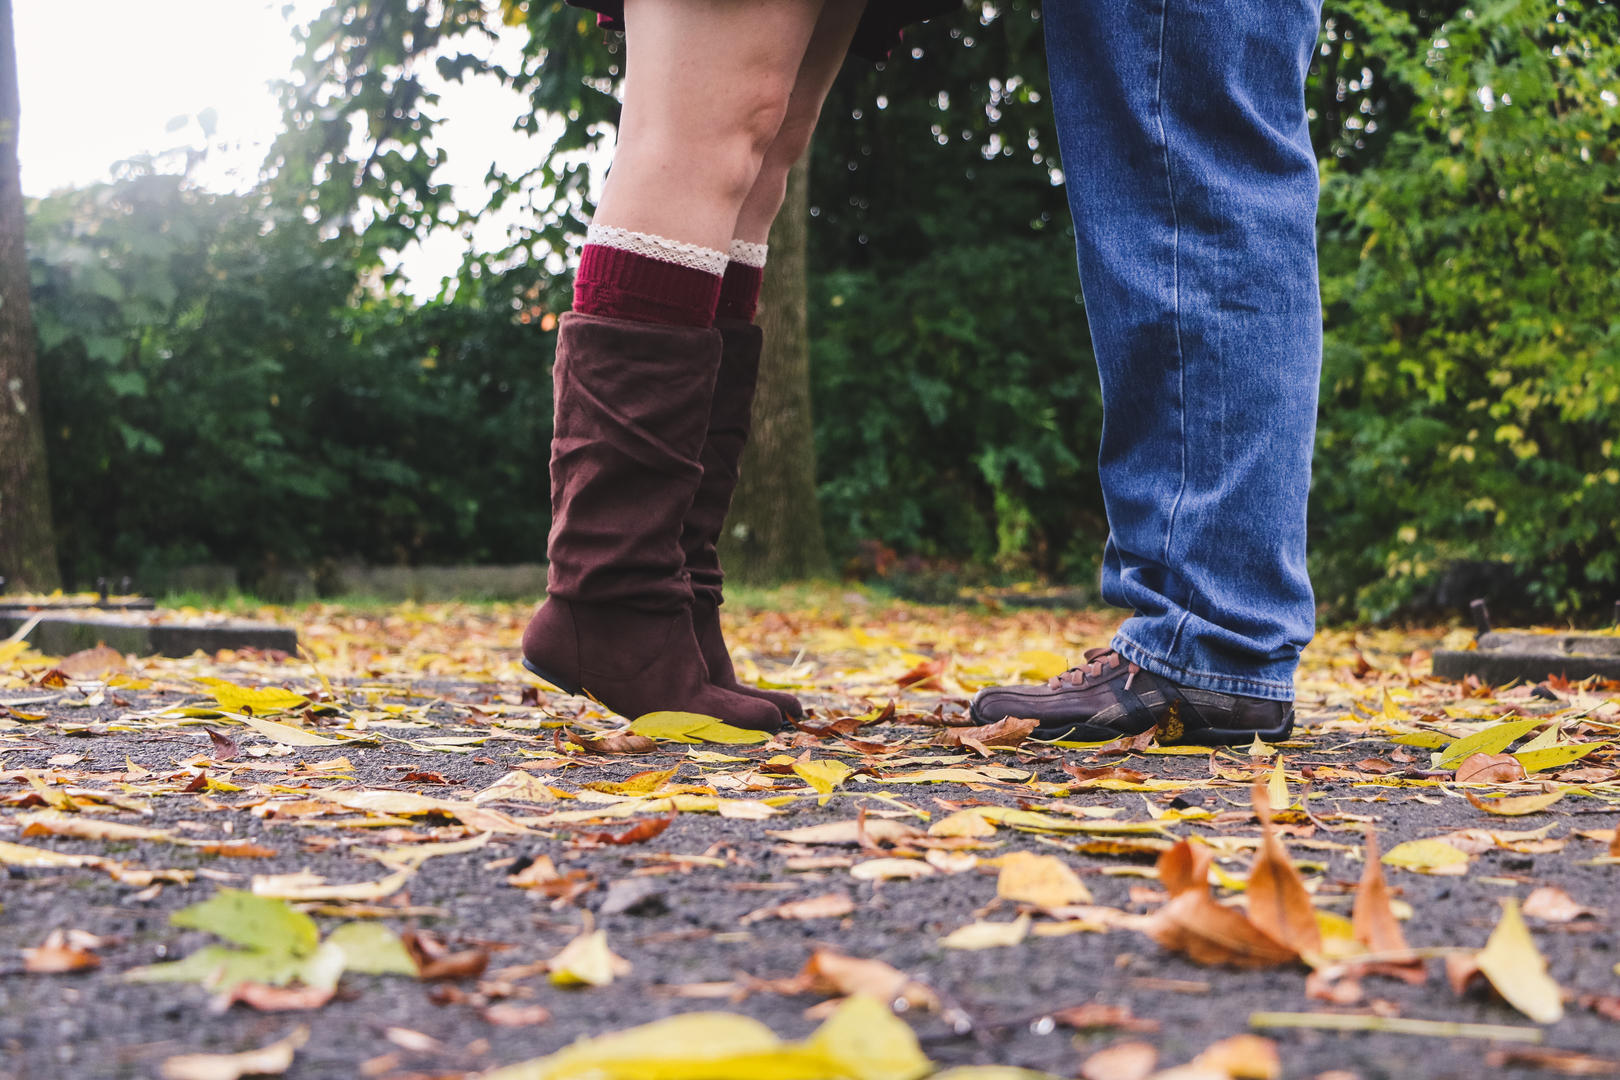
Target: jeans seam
[(1213, 676), (1175, 282)]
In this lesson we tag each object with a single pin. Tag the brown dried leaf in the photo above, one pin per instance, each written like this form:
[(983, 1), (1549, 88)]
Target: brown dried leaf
[(638, 833), (512, 1014), (1008, 732), (1193, 923), (57, 956), (1490, 769), (1373, 916), (1185, 867), (225, 747), (1122, 1061), (832, 973), (826, 906), (1554, 905), (1279, 904), (620, 743), (91, 663), (1095, 1014), (275, 998)]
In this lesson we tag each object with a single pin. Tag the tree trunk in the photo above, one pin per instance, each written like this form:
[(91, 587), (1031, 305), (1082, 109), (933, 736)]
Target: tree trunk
[(27, 547), (774, 532)]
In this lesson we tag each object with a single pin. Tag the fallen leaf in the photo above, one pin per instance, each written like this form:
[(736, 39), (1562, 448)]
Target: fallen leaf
[(987, 935), (1185, 867), (1042, 880), (1554, 905), (1241, 1057), (1489, 769), (824, 776), (1008, 732), (91, 663), (851, 833), (1428, 857), (56, 955), (275, 998), (618, 743), (826, 906), (684, 727), (862, 1040), (1491, 740), (890, 869), (1279, 904), (831, 972), (587, 961), (1373, 916), (272, 1060), (513, 1014), (1515, 807), (1517, 970), (1193, 923), (1122, 1061)]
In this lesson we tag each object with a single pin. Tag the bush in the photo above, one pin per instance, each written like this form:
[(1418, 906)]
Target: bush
[(1472, 364), (218, 384), (956, 406)]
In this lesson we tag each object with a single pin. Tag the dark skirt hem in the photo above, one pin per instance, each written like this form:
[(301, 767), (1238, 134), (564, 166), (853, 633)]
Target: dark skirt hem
[(875, 38)]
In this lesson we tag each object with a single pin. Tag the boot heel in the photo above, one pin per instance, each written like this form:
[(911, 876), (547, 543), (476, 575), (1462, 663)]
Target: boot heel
[(565, 687)]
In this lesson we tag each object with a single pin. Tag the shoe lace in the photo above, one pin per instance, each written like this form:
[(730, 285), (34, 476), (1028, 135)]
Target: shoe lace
[(1098, 662)]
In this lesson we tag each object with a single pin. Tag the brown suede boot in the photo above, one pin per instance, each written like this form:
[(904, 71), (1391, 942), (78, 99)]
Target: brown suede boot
[(730, 420), (632, 410)]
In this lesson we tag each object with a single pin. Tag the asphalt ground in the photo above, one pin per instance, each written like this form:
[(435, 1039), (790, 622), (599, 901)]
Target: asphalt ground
[(682, 899)]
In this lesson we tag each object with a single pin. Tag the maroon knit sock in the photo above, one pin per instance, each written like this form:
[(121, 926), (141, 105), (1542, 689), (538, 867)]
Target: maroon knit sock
[(628, 275), (739, 290)]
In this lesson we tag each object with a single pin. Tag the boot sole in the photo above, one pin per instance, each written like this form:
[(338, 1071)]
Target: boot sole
[(1079, 731), (566, 687)]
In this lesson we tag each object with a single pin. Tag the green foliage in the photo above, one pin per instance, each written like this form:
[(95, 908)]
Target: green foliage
[(1470, 383), (219, 383), (954, 403)]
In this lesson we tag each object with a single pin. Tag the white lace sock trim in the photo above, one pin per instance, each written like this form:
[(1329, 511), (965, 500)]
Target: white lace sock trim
[(748, 254), (694, 256)]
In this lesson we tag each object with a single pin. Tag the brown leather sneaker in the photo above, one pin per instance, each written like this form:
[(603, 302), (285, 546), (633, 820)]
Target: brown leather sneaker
[(1108, 697)]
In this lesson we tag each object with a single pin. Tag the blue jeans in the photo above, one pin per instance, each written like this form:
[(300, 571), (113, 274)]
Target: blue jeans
[(1193, 187)]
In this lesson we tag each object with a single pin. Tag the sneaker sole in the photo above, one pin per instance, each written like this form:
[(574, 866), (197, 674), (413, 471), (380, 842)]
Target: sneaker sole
[(1203, 736)]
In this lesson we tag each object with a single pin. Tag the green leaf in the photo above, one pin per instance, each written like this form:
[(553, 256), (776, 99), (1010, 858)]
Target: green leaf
[(371, 949), (255, 921)]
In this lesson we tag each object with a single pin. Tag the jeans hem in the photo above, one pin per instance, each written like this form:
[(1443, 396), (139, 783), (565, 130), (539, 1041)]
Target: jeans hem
[(1242, 685)]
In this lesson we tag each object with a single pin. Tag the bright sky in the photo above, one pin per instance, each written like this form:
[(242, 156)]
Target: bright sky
[(101, 80)]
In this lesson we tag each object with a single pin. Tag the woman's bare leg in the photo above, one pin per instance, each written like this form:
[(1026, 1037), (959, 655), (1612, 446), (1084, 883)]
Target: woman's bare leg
[(822, 60), (707, 86)]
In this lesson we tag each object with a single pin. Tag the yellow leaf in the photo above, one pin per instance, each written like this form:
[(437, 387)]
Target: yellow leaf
[(587, 961), (1043, 880), (824, 776), (685, 727), (1492, 740), (305, 886), (987, 935), (1515, 807), (1428, 857), (968, 823), (1552, 757), (517, 786), (1038, 665), (864, 1040), (890, 869), (641, 783), (1277, 788), (235, 698), (1518, 971), (283, 733)]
